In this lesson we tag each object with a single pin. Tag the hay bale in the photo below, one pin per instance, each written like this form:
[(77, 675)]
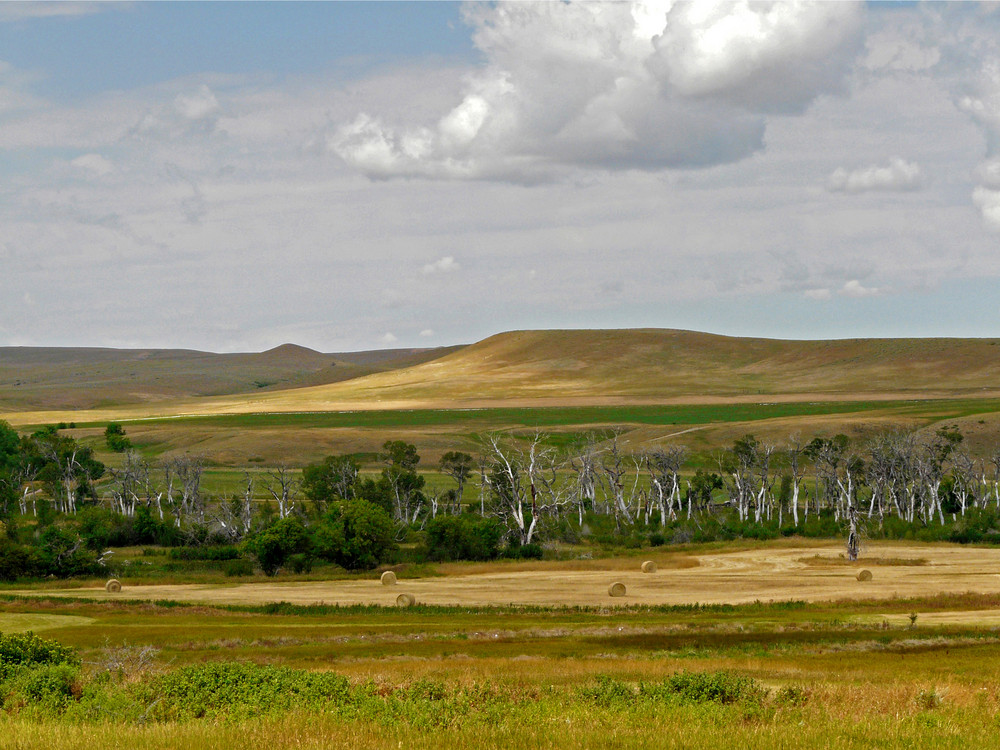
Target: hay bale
[(617, 589), (406, 600), (388, 578), (113, 586), (649, 567), (865, 575)]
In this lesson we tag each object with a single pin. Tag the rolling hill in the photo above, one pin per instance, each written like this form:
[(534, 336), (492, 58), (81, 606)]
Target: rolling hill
[(87, 378), (572, 367)]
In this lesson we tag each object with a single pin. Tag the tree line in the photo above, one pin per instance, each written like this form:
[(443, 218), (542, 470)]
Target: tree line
[(509, 495)]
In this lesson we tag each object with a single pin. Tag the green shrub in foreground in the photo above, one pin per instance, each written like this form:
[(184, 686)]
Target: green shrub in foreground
[(19, 650), (722, 687), (238, 689)]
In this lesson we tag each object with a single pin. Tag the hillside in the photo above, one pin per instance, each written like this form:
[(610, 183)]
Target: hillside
[(522, 368), (87, 378), (663, 365)]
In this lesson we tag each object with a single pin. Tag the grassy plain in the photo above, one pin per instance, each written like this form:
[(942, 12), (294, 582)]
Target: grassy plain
[(849, 671)]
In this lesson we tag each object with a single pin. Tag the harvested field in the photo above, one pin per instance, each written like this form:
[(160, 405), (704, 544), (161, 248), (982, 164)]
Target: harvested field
[(763, 574)]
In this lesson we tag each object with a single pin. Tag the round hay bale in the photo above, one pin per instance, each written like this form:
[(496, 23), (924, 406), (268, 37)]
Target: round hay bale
[(649, 567), (865, 575), (388, 578), (113, 586), (406, 600), (617, 589)]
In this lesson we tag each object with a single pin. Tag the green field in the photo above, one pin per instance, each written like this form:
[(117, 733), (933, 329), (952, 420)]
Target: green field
[(837, 674), (695, 414)]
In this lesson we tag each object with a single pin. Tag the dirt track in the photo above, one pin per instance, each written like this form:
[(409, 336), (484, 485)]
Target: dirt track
[(778, 574)]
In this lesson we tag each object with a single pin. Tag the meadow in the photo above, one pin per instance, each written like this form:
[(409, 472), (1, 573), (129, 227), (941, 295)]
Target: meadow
[(867, 667), (743, 643)]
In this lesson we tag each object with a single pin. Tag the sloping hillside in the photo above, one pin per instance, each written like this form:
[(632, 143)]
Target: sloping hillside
[(584, 367), (653, 365), (84, 378)]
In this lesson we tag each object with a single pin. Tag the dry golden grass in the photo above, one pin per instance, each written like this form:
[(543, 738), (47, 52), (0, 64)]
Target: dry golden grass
[(562, 368), (768, 574)]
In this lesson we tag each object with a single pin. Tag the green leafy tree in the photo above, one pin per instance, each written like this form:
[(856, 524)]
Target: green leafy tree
[(459, 467), (275, 544), (116, 439), (334, 478), (356, 535), (465, 537)]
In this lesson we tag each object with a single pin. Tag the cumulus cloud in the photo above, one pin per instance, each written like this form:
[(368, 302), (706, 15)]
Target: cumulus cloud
[(984, 109), (897, 175), (642, 85), (988, 202), (426, 333), (447, 264), (389, 338), (198, 104), (855, 288), (94, 163)]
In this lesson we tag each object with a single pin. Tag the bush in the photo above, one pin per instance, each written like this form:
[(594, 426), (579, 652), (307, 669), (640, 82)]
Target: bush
[(524, 552), (356, 535), (301, 563), (248, 690), (18, 650), (708, 687), (116, 439), (204, 553), (239, 567), (18, 561), (49, 686), (463, 538)]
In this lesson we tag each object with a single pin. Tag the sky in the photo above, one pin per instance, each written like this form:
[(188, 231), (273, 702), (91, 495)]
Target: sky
[(232, 176)]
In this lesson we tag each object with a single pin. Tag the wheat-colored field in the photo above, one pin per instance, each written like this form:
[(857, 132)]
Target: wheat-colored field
[(813, 572)]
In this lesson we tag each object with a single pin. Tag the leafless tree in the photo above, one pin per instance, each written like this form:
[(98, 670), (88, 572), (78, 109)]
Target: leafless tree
[(283, 486)]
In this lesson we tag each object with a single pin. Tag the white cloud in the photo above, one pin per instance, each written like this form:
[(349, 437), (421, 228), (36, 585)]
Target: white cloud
[(426, 333), (897, 175), (447, 264), (389, 338), (854, 288), (642, 85), (817, 294), (94, 163), (14, 10), (988, 202), (197, 105)]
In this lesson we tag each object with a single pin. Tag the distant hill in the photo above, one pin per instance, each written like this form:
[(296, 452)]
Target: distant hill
[(85, 378), (609, 366), (522, 367)]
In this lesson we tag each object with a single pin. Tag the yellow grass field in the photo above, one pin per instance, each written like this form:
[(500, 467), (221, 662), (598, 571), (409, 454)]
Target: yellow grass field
[(812, 572)]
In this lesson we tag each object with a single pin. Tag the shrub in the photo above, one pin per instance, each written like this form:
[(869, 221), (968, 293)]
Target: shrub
[(228, 688), (524, 552), (239, 567), (204, 553), (18, 561), (18, 650), (49, 686), (463, 538), (708, 687)]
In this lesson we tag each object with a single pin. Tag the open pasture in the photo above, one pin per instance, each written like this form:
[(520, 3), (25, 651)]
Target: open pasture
[(810, 572)]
